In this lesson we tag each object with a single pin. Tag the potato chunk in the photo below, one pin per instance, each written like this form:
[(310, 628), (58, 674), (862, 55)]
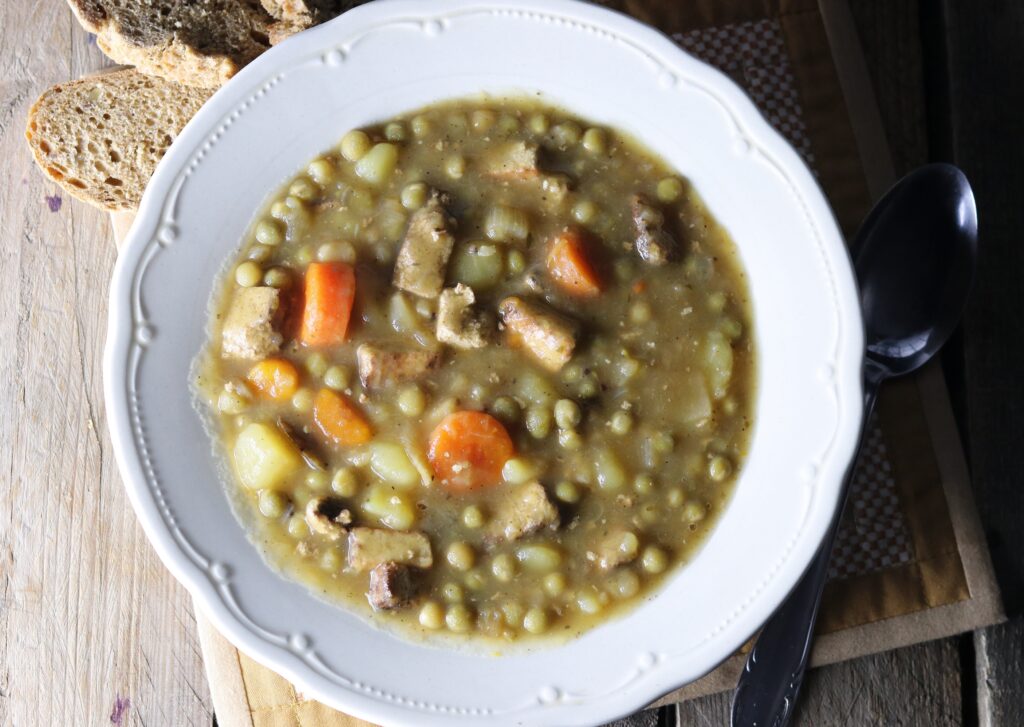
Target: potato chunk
[(549, 336), (248, 330), (369, 547), (264, 456), (423, 257)]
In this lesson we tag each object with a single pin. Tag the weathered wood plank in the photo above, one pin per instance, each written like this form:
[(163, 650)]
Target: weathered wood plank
[(889, 34), (986, 98), (93, 630), (919, 685), (1000, 674)]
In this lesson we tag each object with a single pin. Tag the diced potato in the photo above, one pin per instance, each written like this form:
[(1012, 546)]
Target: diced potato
[(418, 458), (264, 456), (610, 474), (478, 265), (390, 462), (402, 315), (376, 166), (718, 356), (693, 398), (391, 508), (536, 389), (539, 558)]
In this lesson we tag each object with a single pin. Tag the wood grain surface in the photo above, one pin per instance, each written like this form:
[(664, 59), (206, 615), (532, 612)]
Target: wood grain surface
[(94, 631), (984, 45)]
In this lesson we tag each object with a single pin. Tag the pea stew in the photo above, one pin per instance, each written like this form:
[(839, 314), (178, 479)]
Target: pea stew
[(485, 369)]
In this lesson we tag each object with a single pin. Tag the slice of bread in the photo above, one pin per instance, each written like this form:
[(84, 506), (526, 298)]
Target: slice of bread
[(294, 16), (196, 43), (101, 137)]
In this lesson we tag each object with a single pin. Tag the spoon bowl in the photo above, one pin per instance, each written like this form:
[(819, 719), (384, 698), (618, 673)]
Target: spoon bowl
[(914, 258)]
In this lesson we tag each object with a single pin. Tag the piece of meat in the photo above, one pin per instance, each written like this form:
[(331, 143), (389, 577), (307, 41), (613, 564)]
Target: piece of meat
[(457, 323), (615, 549), (248, 330), (653, 244), (548, 335), (381, 366), (426, 247), (521, 511), (369, 547), (512, 160), (328, 517), (391, 586)]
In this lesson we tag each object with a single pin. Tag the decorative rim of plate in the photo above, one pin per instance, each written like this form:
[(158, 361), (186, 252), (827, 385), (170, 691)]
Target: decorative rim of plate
[(130, 333)]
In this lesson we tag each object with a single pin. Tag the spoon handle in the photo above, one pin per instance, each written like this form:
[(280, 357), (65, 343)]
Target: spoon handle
[(768, 687)]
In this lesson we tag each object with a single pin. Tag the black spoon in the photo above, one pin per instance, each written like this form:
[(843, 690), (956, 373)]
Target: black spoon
[(914, 257)]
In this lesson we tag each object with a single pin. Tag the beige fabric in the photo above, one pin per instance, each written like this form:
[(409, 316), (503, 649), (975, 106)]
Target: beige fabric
[(912, 563)]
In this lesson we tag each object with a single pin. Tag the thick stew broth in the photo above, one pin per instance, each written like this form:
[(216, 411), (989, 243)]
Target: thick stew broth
[(484, 369)]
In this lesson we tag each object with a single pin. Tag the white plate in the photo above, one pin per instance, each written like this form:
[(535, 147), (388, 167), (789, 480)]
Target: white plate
[(388, 57)]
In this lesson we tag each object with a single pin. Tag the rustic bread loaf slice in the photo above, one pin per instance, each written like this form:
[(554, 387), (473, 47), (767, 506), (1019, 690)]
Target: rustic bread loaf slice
[(101, 137), (196, 43), (294, 16)]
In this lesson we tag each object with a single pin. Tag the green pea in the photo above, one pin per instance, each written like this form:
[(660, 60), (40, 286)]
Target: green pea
[(272, 503), (538, 421), (567, 414), (269, 232)]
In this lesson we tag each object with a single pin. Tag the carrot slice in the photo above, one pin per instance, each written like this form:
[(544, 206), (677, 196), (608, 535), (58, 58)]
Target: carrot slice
[(329, 294), (468, 449), (571, 266), (275, 378), (339, 420)]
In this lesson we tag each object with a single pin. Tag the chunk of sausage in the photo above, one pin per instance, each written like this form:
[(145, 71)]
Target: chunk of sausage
[(521, 511), (549, 336), (391, 586), (513, 160), (457, 323), (653, 244), (248, 330), (369, 547), (328, 517), (423, 257), (381, 367)]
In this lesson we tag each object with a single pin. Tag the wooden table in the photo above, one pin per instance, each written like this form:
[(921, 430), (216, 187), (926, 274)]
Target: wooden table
[(93, 630)]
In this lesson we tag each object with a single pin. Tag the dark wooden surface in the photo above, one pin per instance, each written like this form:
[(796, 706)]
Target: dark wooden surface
[(949, 79), (984, 44)]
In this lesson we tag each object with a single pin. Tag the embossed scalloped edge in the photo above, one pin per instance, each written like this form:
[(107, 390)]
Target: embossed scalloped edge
[(219, 574)]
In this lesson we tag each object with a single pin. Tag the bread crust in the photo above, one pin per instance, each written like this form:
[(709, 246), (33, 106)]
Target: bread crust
[(201, 43)]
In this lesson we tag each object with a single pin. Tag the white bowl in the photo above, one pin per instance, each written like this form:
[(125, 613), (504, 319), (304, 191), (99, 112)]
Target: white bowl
[(389, 57)]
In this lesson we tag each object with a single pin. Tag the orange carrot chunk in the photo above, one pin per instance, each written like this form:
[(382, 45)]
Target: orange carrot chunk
[(468, 449), (274, 378), (571, 266), (330, 291), (339, 420)]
